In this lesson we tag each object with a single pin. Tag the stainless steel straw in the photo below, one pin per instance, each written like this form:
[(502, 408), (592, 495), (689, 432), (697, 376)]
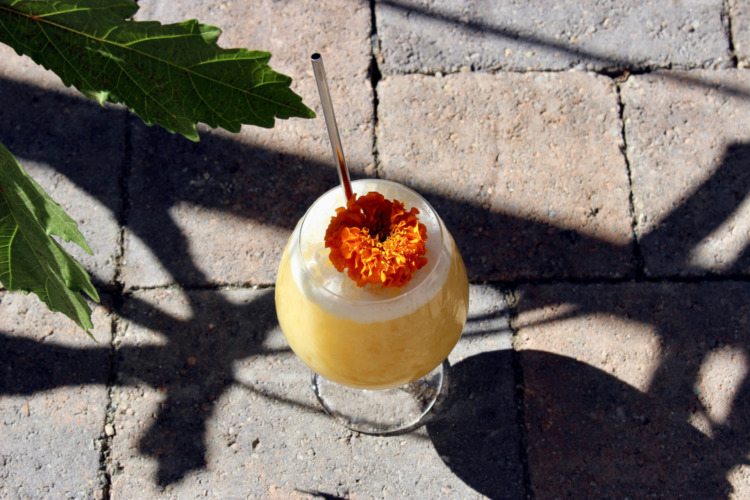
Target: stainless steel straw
[(333, 131)]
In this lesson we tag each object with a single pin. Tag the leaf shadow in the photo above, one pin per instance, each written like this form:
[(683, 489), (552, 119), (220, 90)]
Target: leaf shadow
[(591, 436), (193, 370), (198, 358), (600, 60), (30, 366)]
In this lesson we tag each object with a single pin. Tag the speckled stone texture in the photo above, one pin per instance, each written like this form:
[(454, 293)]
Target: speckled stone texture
[(494, 155), (636, 390), (428, 36), (79, 166), (590, 160), (220, 211), (740, 19), (210, 400), (53, 401), (687, 144)]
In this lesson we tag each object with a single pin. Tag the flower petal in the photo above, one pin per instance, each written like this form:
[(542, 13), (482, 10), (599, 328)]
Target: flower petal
[(377, 241)]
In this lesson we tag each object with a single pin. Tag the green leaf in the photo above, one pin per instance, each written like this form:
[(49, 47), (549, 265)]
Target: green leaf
[(31, 260), (174, 75)]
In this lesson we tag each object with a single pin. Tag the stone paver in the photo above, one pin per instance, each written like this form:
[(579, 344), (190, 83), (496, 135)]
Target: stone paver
[(740, 19), (53, 402), (687, 143), (476, 433), (220, 211), (636, 390), (600, 211), (81, 165), (428, 36), (210, 399), (526, 169)]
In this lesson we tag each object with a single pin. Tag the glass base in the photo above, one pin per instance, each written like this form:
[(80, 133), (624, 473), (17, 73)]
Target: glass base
[(383, 412)]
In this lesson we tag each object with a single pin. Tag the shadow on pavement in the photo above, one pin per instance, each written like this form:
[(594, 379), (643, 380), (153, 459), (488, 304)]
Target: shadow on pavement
[(30, 366), (193, 369), (476, 430), (608, 61), (574, 412), (591, 435), (702, 213)]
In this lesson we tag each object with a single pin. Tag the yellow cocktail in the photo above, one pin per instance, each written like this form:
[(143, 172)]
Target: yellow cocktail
[(370, 337)]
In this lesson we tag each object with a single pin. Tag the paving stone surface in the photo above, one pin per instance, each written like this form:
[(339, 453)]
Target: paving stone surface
[(740, 20), (53, 402), (220, 211), (687, 147), (589, 159), (35, 117), (209, 399), (429, 36), (635, 390), (495, 155)]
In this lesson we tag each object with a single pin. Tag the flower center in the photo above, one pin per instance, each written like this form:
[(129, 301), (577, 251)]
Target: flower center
[(381, 229)]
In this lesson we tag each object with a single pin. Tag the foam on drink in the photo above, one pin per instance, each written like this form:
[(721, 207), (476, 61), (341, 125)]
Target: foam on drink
[(323, 284)]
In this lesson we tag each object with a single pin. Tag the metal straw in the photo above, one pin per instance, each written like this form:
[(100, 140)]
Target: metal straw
[(333, 131)]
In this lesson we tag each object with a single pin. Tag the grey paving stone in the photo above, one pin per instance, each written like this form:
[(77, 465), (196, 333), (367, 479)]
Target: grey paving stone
[(428, 36), (476, 431), (740, 19), (687, 143), (209, 400), (526, 169), (487, 327), (220, 211), (79, 166), (53, 401), (636, 390)]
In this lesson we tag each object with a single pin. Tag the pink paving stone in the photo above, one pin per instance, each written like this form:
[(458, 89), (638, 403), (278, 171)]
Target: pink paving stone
[(54, 401), (637, 389), (687, 136), (526, 169), (220, 211)]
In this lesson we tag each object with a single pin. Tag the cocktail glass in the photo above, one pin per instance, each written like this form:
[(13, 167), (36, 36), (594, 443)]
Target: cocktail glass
[(378, 355)]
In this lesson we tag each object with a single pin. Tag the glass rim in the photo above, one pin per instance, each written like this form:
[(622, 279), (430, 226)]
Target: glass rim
[(399, 297)]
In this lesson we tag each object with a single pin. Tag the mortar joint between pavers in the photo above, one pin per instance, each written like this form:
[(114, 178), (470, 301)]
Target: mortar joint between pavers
[(108, 426), (638, 259), (375, 76), (511, 299), (726, 18), (122, 217)]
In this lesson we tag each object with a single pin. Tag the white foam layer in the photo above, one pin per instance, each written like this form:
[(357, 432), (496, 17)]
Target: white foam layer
[(335, 292)]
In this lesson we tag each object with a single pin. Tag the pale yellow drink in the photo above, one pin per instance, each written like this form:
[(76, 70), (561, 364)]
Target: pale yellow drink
[(371, 338)]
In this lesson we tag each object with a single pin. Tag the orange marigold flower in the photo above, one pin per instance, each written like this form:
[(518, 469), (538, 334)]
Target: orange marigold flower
[(377, 241)]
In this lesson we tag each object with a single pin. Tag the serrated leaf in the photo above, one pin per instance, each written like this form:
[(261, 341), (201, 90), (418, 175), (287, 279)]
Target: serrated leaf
[(31, 260), (174, 75)]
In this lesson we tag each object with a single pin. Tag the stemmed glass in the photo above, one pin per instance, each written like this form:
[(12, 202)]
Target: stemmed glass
[(378, 354)]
